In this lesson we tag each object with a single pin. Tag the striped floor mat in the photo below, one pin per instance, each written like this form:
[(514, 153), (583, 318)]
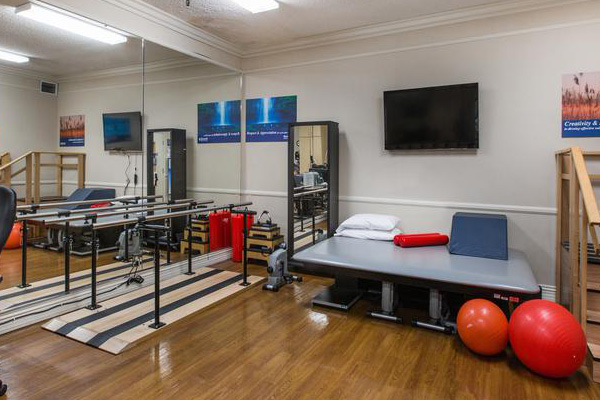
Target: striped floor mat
[(124, 320), (48, 288)]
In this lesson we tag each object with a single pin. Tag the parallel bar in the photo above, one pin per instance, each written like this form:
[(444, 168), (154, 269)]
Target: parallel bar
[(68, 213), (104, 225), (310, 192), (83, 202), (117, 213)]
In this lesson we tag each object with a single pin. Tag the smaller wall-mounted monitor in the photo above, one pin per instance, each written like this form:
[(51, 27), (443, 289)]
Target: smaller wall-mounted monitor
[(122, 131), (442, 117)]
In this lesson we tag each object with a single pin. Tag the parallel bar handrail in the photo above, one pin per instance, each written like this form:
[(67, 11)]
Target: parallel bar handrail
[(97, 215), (68, 213), (104, 225), (84, 202)]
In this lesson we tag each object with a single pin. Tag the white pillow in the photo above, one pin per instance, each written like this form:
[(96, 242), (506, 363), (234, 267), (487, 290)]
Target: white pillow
[(369, 234), (377, 222)]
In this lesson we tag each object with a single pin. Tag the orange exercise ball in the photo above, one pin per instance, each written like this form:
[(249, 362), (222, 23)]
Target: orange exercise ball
[(483, 327), (14, 239)]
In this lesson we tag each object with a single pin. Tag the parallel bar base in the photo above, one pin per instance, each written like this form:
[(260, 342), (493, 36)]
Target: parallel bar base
[(189, 273), (338, 298), (385, 316), (157, 326), (435, 326), (93, 307), (24, 286)]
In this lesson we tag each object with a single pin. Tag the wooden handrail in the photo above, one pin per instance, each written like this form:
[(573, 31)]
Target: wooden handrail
[(16, 160), (32, 170), (585, 185)]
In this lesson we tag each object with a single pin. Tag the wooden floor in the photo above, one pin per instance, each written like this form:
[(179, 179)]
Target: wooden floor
[(263, 345)]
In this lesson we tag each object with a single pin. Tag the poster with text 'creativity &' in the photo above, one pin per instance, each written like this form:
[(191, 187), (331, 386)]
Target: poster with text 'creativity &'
[(219, 122), (267, 119), (581, 105), (72, 131)]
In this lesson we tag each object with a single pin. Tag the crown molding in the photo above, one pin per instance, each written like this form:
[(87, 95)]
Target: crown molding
[(25, 73), (411, 24), (155, 66), (176, 24)]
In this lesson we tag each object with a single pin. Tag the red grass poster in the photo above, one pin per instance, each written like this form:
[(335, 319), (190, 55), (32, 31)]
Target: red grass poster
[(581, 105), (72, 131)]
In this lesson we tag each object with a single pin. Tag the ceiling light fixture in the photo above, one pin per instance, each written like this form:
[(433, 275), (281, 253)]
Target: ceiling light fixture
[(257, 6), (70, 23), (12, 57)]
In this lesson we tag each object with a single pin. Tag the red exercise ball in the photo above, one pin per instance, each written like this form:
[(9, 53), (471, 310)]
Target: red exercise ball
[(547, 338), (14, 239), (483, 327)]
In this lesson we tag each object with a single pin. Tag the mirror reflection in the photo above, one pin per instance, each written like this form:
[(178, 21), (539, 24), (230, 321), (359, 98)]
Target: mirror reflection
[(311, 181), (192, 123)]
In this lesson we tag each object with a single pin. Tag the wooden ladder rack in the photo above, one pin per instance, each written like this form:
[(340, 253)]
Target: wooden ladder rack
[(577, 281), (31, 164)]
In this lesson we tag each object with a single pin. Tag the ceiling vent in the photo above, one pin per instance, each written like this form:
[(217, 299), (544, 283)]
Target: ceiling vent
[(49, 87)]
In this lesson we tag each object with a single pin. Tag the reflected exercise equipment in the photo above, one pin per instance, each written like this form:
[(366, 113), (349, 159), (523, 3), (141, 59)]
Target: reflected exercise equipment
[(313, 170)]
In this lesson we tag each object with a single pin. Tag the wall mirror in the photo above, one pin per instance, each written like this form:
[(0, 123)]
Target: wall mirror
[(312, 183), (56, 88), (192, 128)]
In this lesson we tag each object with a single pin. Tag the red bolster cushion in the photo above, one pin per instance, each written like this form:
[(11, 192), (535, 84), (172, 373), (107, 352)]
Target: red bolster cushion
[(430, 239), (397, 237)]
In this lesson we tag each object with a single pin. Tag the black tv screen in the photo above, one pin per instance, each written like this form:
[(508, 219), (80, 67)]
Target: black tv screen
[(122, 131), (441, 117)]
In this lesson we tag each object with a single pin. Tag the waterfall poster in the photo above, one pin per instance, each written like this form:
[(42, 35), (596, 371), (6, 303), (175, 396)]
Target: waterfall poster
[(72, 131), (219, 122), (581, 105), (267, 119)]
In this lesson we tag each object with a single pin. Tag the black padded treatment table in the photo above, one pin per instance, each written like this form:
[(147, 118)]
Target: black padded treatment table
[(431, 267)]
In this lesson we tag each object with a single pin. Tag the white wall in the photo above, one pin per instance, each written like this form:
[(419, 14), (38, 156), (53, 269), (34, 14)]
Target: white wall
[(28, 121), (520, 124)]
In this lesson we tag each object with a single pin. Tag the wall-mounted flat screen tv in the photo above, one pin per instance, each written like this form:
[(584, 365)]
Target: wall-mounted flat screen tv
[(441, 117), (122, 131)]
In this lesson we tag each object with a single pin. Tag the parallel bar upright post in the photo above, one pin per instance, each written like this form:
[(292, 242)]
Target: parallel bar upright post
[(126, 243), (245, 251), (157, 324), (189, 231), (24, 233), (168, 226), (67, 245), (94, 303), (314, 228)]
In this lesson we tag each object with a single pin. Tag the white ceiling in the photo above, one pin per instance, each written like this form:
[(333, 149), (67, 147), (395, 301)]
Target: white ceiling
[(299, 19), (56, 53)]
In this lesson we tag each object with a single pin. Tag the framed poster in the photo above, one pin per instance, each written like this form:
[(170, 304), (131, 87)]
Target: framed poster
[(267, 119), (72, 131), (220, 122), (581, 105)]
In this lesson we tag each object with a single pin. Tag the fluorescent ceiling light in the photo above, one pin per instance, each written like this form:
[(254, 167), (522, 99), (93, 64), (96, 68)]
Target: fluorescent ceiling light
[(12, 57), (74, 24), (256, 6)]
